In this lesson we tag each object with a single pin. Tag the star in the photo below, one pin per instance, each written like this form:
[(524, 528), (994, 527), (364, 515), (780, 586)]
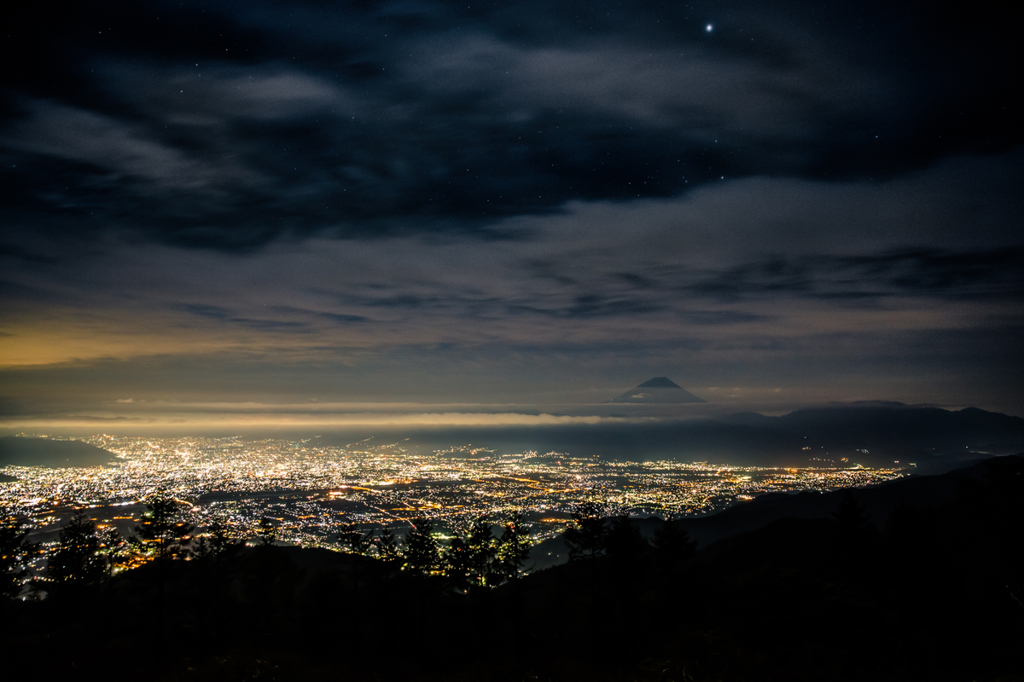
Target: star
[(708, 28)]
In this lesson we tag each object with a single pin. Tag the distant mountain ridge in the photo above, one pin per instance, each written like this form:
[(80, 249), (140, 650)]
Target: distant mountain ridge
[(883, 431), (657, 390), (46, 452), (934, 439)]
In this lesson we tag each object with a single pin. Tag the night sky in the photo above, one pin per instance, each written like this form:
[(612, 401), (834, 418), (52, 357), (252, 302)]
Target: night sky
[(272, 208)]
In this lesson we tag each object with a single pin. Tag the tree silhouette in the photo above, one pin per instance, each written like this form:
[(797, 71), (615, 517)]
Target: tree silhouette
[(14, 553), (480, 560), (77, 559), (587, 533), (852, 519), (422, 556), (422, 553), (458, 564), (113, 549), (483, 554), (624, 543), (214, 543), (513, 551), (161, 534), (355, 540), (387, 547), (266, 532), (672, 545), (513, 546)]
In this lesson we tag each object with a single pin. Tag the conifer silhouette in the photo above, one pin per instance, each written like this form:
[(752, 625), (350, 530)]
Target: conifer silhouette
[(483, 554), (14, 552), (162, 534), (624, 543), (422, 553), (513, 546), (386, 546), (587, 534), (672, 545), (852, 519), (77, 559), (457, 564), (353, 539), (266, 532)]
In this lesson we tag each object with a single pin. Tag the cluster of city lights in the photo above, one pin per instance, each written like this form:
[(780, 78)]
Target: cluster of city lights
[(309, 489)]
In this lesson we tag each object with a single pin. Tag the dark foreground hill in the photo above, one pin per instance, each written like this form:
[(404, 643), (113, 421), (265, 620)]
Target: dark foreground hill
[(44, 452), (879, 502), (934, 593)]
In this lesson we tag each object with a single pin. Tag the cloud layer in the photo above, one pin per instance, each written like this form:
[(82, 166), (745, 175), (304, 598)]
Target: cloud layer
[(427, 201)]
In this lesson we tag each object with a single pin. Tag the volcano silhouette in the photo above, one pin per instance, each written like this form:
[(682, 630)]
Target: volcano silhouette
[(657, 390)]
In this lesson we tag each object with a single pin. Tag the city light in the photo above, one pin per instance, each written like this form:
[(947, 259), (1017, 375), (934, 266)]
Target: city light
[(310, 489)]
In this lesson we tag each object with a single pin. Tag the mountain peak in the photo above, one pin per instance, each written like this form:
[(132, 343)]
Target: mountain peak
[(659, 382), (658, 390)]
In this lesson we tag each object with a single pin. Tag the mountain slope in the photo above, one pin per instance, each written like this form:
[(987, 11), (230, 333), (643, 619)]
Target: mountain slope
[(657, 390), (44, 452), (880, 433), (878, 501)]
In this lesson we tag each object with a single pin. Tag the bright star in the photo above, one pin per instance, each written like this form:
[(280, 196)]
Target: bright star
[(708, 28)]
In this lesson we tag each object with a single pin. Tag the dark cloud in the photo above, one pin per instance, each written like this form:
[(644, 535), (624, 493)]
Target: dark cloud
[(718, 317), (25, 255), (214, 125), (223, 315), (345, 319), (997, 273), (922, 272), (592, 305), (215, 312)]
